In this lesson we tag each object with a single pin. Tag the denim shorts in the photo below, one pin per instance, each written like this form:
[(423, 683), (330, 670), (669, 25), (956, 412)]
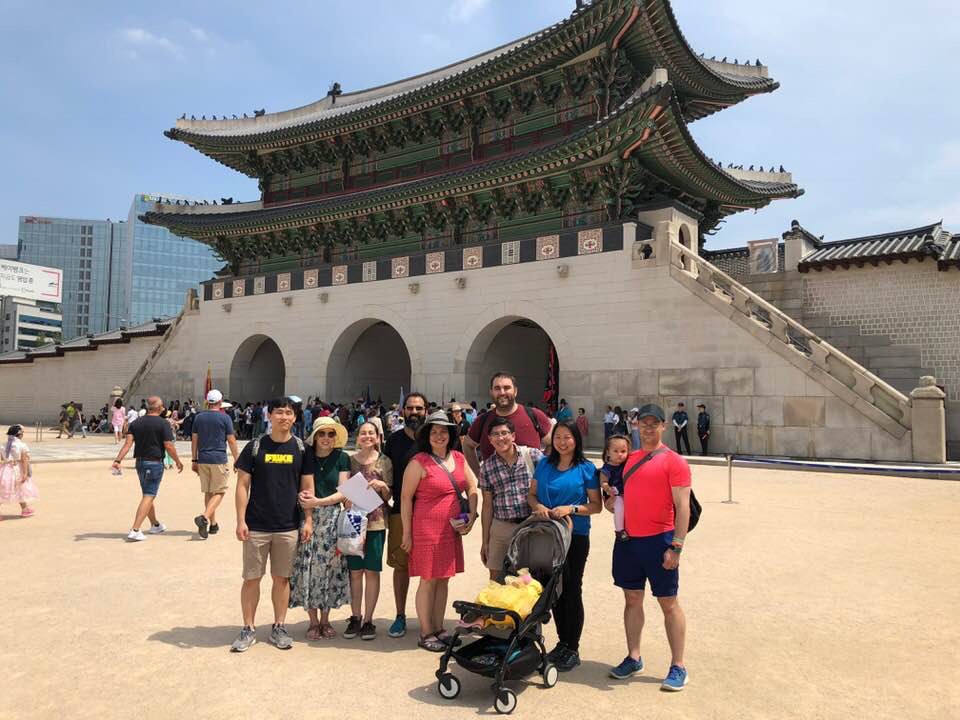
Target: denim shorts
[(150, 473), (639, 559)]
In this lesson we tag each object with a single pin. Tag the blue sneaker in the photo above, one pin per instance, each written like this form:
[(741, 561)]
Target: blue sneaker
[(675, 680), (399, 627), (628, 668)]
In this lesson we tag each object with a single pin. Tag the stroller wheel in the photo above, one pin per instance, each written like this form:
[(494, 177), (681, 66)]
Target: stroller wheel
[(448, 686), (506, 701), (550, 675)]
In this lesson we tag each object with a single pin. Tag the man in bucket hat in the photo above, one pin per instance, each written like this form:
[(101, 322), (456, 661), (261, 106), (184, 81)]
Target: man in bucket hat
[(656, 509)]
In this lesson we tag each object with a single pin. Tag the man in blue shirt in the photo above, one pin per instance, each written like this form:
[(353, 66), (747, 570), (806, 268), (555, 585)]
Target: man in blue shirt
[(212, 431), (564, 412)]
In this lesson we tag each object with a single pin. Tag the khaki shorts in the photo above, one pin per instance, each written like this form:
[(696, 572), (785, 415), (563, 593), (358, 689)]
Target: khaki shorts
[(280, 547), (214, 478), (501, 533), (396, 555)]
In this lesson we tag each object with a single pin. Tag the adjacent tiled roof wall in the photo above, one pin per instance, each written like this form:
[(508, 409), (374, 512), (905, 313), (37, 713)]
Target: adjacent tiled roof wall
[(87, 343), (929, 240)]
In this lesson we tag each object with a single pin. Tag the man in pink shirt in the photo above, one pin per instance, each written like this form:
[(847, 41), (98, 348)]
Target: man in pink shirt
[(656, 504)]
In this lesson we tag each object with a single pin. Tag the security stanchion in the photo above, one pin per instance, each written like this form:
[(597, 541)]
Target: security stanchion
[(729, 500)]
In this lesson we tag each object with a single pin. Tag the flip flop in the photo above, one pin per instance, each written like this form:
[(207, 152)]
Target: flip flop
[(314, 632), (431, 643)]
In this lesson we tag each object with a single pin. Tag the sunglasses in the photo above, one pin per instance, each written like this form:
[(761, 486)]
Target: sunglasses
[(498, 435), (326, 434)]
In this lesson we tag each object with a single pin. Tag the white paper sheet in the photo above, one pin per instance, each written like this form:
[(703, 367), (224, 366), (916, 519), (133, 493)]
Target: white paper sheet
[(359, 493)]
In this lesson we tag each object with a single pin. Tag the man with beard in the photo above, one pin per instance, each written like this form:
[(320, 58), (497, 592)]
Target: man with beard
[(531, 425), (400, 448)]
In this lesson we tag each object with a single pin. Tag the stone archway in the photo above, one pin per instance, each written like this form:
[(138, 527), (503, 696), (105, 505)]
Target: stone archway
[(258, 371), (371, 357), (511, 344)]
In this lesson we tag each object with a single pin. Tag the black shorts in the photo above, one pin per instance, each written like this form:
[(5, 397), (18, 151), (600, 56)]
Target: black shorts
[(637, 560)]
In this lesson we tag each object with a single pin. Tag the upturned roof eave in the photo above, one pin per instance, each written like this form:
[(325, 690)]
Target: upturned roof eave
[(564, 156), (244, 135)]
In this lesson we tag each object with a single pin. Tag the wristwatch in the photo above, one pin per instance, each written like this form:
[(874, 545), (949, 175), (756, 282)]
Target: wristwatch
[(677, 548), (575, 509)]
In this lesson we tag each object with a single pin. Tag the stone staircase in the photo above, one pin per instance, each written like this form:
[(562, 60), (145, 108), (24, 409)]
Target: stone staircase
[(899, 365), (827, 364), (133, 387)]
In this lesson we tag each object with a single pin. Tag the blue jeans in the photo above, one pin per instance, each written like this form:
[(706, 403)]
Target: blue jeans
[(150, 473)]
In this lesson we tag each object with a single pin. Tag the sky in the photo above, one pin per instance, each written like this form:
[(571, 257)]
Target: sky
[(865, 117)]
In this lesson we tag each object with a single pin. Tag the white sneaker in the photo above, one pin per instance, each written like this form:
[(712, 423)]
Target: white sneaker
[(136, 536), (157, 529)]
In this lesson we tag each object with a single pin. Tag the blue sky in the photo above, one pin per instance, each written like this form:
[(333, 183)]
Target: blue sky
[(866, 118)]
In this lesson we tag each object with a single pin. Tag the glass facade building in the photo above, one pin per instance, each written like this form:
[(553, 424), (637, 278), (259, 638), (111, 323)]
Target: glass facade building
[(116, 273)]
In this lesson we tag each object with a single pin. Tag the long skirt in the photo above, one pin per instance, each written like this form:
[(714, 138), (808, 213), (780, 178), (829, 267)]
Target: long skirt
[(13, 488), (320, 577)]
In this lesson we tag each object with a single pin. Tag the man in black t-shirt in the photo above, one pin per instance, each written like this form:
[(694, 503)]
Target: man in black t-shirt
[(400, 448), (152, 435), (271, 473)]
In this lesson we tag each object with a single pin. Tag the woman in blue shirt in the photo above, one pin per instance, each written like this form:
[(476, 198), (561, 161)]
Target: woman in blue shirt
[(565, 485)]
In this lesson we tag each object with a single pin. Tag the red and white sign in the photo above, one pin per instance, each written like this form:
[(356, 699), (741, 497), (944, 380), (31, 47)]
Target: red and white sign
[(31, 282)]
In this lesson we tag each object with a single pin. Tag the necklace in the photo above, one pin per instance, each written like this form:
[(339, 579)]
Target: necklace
[(323, 465)]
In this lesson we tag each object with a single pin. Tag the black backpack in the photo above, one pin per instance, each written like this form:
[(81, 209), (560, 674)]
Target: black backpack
[(695, 507)]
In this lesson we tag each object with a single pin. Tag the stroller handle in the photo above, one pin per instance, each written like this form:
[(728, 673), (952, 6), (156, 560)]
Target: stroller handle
[(498, 614)]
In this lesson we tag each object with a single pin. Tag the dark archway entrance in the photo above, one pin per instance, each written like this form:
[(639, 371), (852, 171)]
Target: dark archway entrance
[(518, 346), (258, 371), (371, 358)]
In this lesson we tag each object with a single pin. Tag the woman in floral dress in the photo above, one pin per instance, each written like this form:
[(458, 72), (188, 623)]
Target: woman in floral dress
[(320, 581)]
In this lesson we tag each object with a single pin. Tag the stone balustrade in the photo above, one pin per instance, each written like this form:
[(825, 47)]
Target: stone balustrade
[(848, 379)]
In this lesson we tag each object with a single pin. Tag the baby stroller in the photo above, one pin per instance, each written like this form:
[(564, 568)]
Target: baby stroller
[(541, 546)]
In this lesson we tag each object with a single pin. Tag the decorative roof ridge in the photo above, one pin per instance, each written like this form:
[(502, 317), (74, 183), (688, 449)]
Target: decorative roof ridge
[(795, 226), (757, 185), (771, 84), (209, 208), (922, 231)]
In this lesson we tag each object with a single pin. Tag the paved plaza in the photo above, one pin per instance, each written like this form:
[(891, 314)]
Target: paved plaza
[(817, 595)]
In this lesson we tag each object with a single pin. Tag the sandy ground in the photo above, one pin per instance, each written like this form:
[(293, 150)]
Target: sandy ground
[(817, 596)]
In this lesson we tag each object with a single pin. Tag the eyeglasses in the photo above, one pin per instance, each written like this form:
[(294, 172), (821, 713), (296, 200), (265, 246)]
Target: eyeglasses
[(330, 434), (499, 435)]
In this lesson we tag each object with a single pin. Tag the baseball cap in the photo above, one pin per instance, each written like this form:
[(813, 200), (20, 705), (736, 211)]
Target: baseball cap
[(653, 411), (214, 396)]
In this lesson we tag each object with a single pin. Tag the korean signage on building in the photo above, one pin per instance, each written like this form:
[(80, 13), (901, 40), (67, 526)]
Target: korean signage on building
[(32, 282)]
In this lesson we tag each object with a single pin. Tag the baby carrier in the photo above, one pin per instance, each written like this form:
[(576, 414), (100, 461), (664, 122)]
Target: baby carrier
[(541, 546)]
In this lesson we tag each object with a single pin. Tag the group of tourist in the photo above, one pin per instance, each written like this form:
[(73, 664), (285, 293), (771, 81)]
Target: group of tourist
[(429, 474), (618, 422)]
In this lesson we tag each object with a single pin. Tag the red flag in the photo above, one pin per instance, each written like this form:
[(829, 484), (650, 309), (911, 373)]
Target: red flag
[(207, 386)]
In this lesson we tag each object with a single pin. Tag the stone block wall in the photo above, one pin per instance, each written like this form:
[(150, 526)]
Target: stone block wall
[(912, 307)]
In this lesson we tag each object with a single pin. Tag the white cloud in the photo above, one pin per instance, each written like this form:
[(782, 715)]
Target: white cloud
[(138, 39), (465, 10), (199, 34)]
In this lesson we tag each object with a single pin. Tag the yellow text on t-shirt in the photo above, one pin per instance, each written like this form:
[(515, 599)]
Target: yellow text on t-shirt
[(278, 459)]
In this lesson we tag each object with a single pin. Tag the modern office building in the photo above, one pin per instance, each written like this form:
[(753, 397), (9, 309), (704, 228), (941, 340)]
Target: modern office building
[(116, 273), (8, 252)]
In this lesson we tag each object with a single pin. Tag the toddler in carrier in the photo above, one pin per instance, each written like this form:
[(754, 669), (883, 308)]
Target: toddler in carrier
[(615, 454)]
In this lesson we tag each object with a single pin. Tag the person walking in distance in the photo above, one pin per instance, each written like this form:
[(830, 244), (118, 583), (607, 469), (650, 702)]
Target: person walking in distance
[(399, 449), (530, 424), (680, 422), (150, 436), (212, 431), (118, 418), (272, 471), (703, 428), (656, 513)]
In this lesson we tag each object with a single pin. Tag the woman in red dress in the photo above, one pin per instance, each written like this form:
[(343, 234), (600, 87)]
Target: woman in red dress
[(432, 531)]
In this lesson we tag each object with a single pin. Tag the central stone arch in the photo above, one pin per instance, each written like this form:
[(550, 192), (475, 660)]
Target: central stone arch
[(514, 344), (258, 371), (369, 356)]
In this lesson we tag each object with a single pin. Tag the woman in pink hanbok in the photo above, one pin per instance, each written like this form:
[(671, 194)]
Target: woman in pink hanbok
[(16, 474)]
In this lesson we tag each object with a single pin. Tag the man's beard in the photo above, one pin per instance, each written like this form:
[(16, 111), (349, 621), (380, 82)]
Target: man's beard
[(413, 422)]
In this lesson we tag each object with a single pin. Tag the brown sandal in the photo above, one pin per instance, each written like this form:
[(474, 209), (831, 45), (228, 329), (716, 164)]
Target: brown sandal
[(327, 631), (314, 632)]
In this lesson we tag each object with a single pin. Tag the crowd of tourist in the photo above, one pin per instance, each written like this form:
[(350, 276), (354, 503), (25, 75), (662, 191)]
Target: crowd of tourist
[(437, 472)]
